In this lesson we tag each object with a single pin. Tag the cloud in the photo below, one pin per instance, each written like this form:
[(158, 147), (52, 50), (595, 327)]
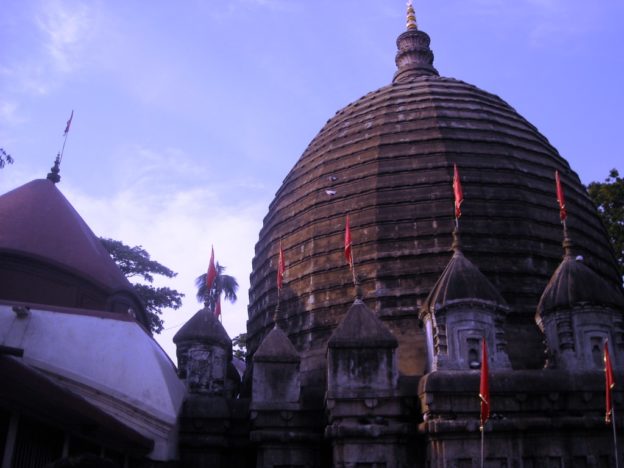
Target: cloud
[(9, 117), (67, 29), (177, 222)]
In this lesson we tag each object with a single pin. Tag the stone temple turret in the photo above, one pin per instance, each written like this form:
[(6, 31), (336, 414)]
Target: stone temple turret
[(364, 383), (387, 159), (213, 421), (204, 351), (578, 312), (366, 424), (462, 309)]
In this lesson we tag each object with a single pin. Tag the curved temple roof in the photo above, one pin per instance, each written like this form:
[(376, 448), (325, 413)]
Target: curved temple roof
[(38, 221), (387, 160)]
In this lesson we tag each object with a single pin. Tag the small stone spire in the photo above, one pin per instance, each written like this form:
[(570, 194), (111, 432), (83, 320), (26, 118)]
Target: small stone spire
[(414, 56), (411, 16), (456, 245), (54, 174), (567, 243)]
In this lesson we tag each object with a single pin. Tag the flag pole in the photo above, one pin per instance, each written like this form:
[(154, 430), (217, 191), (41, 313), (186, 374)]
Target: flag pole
[(348, 252), (355, 281), (615, 446), (482, 444), (609, 406), (65, 134), (484, 396), (63, 148)]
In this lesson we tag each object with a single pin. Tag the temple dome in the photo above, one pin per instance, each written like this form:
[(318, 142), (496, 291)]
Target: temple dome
[(203, 327), (575, 284), (387, 161), (49, 255), (461, 280)]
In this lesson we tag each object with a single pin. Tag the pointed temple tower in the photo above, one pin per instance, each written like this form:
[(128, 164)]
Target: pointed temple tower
[(390, 380), (395, 375)]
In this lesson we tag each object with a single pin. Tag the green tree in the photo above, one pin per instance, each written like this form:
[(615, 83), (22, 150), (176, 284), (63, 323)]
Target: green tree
[(609, 198), (239, 346), (5, 158), (135, 262), (223, 284)]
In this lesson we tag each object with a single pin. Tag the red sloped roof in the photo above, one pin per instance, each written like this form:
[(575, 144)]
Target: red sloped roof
[(37, 220)]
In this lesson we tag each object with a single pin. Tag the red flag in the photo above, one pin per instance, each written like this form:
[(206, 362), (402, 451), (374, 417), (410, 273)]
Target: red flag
[(217, 311), (484, 387), (212, 271), (609, 383), (347, 243), (68, 124), (281, 267), (563, 214), (458, 192)]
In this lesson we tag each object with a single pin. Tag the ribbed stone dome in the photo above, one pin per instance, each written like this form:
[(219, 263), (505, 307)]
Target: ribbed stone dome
[(387, 160)]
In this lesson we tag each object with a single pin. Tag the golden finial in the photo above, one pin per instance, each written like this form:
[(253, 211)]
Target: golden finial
[(411, 16)]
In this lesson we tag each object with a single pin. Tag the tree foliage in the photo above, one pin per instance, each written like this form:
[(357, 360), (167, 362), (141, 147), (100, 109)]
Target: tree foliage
[(223, 284), (239, 346), (135, 262), (609, 198), (5, 158)]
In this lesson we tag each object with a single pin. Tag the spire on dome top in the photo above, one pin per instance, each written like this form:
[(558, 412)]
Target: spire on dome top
[(411, 16), (456, 245), (414, 57), (54, 175)]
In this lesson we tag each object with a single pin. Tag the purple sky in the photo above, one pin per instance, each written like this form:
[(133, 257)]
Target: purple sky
[(188, 115)]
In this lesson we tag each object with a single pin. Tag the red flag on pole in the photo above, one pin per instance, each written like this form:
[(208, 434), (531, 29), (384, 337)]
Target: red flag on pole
[(217, 311), (212, 271), (457, 191), (347, 244), (68, 123), (281, 267), (484, 387), (609, 383), (563, 214)]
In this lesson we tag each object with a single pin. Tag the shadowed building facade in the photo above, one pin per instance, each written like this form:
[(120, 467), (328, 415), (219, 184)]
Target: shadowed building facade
[(392, 378), (82, 377), (380, 375)]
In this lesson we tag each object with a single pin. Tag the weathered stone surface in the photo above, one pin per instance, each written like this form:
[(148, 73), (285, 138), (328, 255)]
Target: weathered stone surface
[(204, 352), (276, 347), (538, 417), (461, 280), (574, 283), (578, 312), (361, 329), (367, 424), (389, 159), (203, 327), (214, 431), (463, 309), (361, 357), (276, 381)]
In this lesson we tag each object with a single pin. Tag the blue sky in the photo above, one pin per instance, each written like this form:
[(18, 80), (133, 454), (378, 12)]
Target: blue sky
[(189, 114)]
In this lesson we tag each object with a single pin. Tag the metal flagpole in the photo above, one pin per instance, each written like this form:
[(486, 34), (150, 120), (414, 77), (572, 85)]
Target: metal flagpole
[(63, 148), (615, 446), (482, 443), (66, 134), (355, 282)]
